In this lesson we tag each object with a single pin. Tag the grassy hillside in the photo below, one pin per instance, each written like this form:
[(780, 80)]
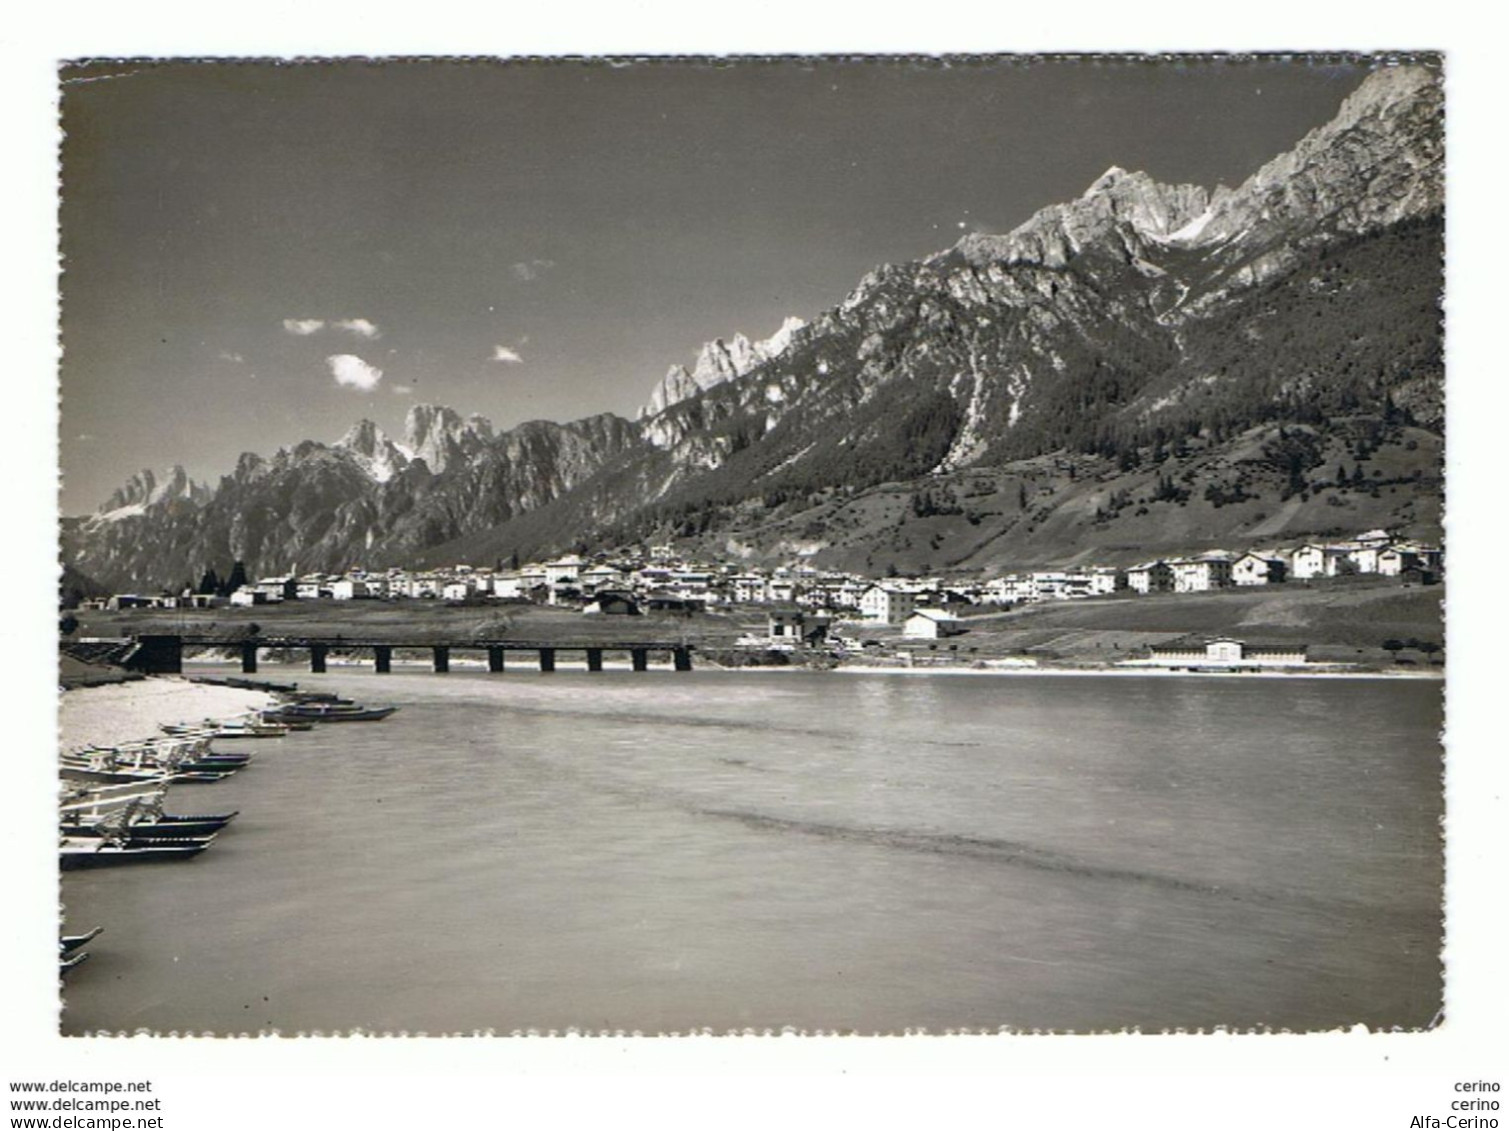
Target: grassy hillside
[(1344, 620), (1267, 486)]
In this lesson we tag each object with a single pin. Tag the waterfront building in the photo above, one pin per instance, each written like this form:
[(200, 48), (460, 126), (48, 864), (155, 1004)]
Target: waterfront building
[(1224, 654), (931, 624), (882, 604), (792, 626)]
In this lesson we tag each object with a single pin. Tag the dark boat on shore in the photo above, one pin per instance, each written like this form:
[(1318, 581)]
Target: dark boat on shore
[(88, 852), (69, 943), (327, 713), (166, 828), (68, 962), (308, 697)]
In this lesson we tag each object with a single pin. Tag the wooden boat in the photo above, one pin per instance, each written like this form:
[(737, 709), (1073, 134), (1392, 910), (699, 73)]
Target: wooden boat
[(152, 767), (230, 728), (83, 852), (72, 942), (69, 962), (308, 697), (93, 804), (330, 713), (171, 828), (85, 773), (156, 761)]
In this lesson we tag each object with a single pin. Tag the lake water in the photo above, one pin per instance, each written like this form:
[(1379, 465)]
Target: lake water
[(666, 852)]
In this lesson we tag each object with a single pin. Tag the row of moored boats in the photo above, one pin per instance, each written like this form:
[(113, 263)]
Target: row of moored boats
[(112, 803)]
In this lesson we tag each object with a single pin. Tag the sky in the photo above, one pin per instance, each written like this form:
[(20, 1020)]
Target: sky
[(258, 253)]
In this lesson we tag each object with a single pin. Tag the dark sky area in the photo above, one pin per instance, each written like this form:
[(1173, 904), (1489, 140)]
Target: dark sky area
[(542, 240)]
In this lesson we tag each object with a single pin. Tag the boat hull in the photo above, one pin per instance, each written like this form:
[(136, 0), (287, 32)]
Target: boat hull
[(148, 830), (107, 855), (69, 943), (368, 715)]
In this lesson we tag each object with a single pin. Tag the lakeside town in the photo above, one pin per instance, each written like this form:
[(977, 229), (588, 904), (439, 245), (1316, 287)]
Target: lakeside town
[(798, 607)]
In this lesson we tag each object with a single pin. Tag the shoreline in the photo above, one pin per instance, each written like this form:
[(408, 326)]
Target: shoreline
[(1014, 669), (116, 713)]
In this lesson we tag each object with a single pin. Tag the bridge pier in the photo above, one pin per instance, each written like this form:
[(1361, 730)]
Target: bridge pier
[(249, 657), (683, 657), (157, 655), (641, 658), (317, 654), (495, 659), (382, 657), (547, 659), (594, 659), (442, 657)]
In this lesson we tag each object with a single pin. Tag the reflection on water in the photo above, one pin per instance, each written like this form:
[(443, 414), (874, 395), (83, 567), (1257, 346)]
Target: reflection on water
[(662, 852)]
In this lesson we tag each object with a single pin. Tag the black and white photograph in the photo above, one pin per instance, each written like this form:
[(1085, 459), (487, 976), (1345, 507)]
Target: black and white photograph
[(712, 572), (838, 545)]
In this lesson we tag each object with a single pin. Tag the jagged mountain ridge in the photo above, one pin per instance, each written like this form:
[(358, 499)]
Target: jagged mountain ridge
[(1102, 324), (717, 362), (363, 499)]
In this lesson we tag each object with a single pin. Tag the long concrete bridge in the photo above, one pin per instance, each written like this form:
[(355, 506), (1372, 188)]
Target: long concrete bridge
[(163, 654)]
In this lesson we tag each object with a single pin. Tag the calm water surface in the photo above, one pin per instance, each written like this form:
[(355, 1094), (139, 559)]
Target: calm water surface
[(662, 852)]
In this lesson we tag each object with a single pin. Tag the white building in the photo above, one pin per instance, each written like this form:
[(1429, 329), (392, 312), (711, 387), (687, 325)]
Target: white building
[(931, 624), (1396, 559), (1223, 654), (1151, 577), (747, 588), (1253, 568), (1314, 560), (563, 570), (1202, 574), (508, 585), (881, 604)]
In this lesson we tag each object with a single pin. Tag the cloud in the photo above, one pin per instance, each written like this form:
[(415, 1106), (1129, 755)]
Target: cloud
[(227, 355), (528, 270), (507, 356), (361, 327), (402, 390), (303, 327), (348, 369)]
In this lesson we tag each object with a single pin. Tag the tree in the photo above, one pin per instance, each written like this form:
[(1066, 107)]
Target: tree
[(237, 578), (68, 625), (209, 583)]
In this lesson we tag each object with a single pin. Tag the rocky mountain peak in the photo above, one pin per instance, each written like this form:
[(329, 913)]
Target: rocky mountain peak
[(134, 492), (143, 491), (1378, 161), (719, 361), (363, 438), (379, 456), (1131, 206), (439, 436)]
